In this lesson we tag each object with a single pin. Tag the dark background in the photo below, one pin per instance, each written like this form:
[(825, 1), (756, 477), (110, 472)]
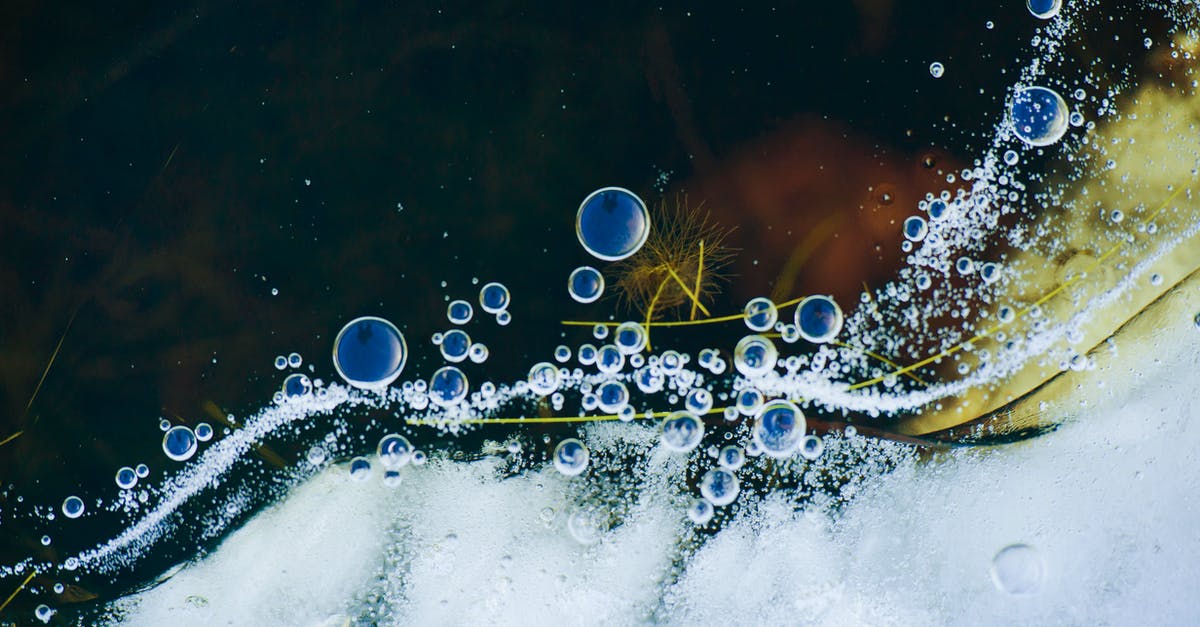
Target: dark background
[(154, 158)]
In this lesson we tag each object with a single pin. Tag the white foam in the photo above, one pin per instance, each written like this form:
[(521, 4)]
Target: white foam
[(1109, 501)]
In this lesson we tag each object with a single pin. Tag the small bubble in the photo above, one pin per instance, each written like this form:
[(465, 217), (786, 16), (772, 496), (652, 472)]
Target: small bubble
[(586, 284), (1044, 9), (459, 312), (72, 507), (571, 457), (936, 69)]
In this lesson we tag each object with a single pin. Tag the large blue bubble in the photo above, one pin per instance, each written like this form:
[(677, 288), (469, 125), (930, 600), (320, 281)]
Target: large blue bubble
[(612, 223), (369, 352), (819, 319)]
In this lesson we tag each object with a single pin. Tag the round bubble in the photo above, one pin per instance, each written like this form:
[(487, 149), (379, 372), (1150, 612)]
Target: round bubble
[(915, 228), (394, 451), (179, 443), (778, 428), (719, 487), (478, 353), (760, 314), (494, 298), (609, 359), (447, 386), (543, 379), (1039, 115), (937, 210), (754, 355), (503, 318), (586, 284), (72, 507), (369, 352), (295, 360), (360, 468), (699, 401), (612, 396), (700, 511), (811, 447), (296, 385), (571, 457), (455, 346), (142, 470), (936, 69), (204, 432), (1018, 569), (612, 223), (43, 613), (731, 457), (1044, 9), (990, 272), (587, 524), (126, 477), (819, 319), (630, 337), (748, 401), (280, 362), (562, 354), (459, 312), (682, 431)]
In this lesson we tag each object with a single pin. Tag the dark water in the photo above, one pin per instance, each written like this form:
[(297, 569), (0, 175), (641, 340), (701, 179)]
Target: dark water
[(164, 168)]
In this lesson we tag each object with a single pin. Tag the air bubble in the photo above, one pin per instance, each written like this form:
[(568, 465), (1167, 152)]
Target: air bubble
[(571, 457), (811, 447), (394, 451), (760, 314), (778, 428), (360, 469), (447, 386), (612, 223), (630, 338), (731, 457), (296, 385), (915, 228), (609, 359), (586, 284), (700, 511), (494, 298), (1018, 570), (1044, 9), (543, 379), (699, 401), (936, 69), (72, 507), (459, 312), (455, 346), (754, 355), (719, 487), (126, 478), (1039, 115), (179, 443), (611, 396), (369, 353), (681, 432), (819, 319)]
